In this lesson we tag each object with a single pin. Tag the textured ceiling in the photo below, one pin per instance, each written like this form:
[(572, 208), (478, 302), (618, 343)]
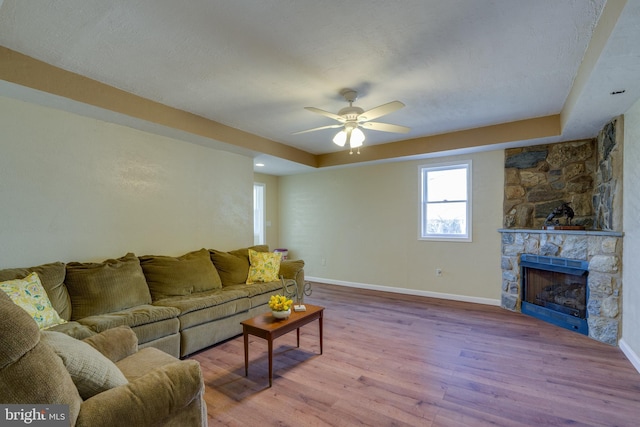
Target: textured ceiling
[(254, 65)]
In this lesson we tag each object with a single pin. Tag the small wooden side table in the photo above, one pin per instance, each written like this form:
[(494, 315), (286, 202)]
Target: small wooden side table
[(268, 327)]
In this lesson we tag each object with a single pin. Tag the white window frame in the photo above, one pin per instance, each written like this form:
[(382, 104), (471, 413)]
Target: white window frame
[(423, 172), (259, 213)]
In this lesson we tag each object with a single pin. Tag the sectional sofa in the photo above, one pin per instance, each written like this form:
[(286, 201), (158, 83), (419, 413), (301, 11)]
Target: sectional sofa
[(101, 381), (176, 304)]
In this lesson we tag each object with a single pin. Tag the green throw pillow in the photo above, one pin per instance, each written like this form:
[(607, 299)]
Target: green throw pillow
[(91, 372)]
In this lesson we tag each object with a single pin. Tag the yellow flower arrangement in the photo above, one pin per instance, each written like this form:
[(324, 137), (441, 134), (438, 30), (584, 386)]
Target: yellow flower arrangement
[(280, 303)]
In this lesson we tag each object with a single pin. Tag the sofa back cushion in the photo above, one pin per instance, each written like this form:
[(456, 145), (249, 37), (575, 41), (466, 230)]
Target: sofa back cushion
[(52, 277), (174, 276), (112, 285), (19, 333), (233, 266)]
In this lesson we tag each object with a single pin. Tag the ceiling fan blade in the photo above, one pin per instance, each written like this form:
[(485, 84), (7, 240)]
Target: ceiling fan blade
[(380, 111), (385, 127), (326, 114), (315, 129)]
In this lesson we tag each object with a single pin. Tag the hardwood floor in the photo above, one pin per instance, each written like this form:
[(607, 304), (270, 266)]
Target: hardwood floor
[(400, 360)]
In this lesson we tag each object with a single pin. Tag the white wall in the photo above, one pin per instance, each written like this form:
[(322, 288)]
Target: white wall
[(359, 226), (631, 241), (77, 189)]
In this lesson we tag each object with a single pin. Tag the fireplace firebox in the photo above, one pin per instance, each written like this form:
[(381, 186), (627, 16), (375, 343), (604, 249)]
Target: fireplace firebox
[(555, 290)]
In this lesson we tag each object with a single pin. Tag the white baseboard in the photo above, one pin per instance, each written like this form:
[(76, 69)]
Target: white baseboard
[(454, 297), (631, 355)]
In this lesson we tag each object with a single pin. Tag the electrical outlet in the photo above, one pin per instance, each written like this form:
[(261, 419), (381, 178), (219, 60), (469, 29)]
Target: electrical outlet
[(438, 272), (324, 262)]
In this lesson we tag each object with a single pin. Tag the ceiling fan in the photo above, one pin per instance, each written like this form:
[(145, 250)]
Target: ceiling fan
[(353, 118)]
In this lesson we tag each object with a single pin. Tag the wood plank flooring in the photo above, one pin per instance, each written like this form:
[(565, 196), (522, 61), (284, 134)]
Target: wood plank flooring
[(400, 360)]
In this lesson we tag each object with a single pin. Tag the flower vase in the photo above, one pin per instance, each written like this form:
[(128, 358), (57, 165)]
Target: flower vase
[(281, 314)]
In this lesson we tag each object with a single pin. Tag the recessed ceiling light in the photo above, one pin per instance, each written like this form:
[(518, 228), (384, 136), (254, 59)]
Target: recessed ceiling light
[(618, 92), (259, 165)]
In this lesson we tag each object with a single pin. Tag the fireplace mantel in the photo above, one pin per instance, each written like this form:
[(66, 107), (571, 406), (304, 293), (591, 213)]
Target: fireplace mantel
[(572, 232)]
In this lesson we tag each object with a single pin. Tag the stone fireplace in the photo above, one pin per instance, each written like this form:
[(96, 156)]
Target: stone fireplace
[(600, 250), (588, 175)]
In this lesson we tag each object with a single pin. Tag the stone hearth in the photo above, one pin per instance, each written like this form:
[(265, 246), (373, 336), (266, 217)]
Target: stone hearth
[(601, 249)]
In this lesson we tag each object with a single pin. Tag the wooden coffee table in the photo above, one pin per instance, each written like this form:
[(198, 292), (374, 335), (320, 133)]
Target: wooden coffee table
[(268, 327)]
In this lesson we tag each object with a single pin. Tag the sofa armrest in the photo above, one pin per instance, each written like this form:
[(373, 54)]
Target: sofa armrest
[(293, 270), (116, 343), (147, 400)]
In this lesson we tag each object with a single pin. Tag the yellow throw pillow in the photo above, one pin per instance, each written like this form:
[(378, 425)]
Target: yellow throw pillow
[(29, 294), (264, 266)]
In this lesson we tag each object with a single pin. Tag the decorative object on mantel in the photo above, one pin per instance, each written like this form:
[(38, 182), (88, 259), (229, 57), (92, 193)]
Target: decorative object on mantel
[(280, 306), (563, 227), (290, 289), (554, 224)]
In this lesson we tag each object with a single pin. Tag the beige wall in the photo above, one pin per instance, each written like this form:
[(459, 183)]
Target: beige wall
[(359, 226), (272, 207), (74, 188), (631, 241)]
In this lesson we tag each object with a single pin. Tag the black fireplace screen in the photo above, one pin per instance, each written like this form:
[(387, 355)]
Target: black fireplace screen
[(566, 293), (555, 290)]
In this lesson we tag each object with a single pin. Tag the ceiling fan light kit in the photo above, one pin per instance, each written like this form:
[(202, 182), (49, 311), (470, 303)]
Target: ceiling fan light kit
[(350, 135), (353, 118)]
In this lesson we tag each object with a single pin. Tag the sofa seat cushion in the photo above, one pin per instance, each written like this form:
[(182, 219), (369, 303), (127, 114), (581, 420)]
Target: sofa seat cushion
[(157, 330), (73, 329), (217, 312), (132, 317), (258, 293), (174, 276), (188, 303), (207, 306), (52, 278), (112, 285)]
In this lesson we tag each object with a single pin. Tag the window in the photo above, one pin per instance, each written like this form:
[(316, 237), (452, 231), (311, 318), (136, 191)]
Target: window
[(445, 212), (258, 213)]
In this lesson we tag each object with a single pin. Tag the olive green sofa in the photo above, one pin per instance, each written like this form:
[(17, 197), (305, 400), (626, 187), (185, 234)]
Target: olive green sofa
[(176, 304), (104, 380)]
